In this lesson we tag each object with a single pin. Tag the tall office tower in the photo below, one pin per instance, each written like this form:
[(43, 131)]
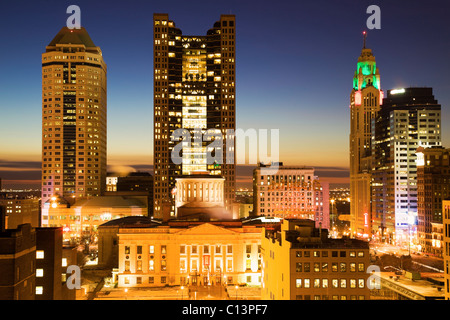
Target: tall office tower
[(194, 89), (408, 119), (365, 100), (433, 186), (291, 193), (73, 118)]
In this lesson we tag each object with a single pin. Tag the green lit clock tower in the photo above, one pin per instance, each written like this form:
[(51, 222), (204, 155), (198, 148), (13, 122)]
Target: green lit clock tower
[(365, 99)]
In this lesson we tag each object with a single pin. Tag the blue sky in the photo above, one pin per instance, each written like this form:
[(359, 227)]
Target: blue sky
[(294, 66)]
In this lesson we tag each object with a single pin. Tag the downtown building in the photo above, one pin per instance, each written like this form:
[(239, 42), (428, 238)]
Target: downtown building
[(149, 253), (17, 261), (300, 262), (433, 186), (409, 118), (194, 90), (365, 99), (73, 118), (20, 210), (446, 246), (290, 192)]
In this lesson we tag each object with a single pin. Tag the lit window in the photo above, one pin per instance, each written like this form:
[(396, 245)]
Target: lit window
[(40, 254), (39, 290), (307, 282), (39, 272), (361, 283), (64, 262), (151, 265), (316, 283)]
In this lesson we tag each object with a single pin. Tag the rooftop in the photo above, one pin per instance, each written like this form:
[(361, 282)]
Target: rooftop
[(425, 288), (73, 36), (132, 221), (111, 202)]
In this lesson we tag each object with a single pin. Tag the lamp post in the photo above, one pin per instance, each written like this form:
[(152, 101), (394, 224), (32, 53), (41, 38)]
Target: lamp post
[(182, 287), (236, 287)]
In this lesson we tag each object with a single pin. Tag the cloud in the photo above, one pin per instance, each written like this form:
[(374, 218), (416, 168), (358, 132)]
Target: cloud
[(29, 173)]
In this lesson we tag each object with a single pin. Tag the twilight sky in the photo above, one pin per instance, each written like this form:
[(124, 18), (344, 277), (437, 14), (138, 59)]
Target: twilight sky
[(294, 66)]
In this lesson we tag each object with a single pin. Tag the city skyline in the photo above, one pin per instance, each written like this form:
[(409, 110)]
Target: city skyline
[(307, 73)]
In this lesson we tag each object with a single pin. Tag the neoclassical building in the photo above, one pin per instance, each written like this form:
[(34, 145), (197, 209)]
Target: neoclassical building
[(199, 194), (182, 252)]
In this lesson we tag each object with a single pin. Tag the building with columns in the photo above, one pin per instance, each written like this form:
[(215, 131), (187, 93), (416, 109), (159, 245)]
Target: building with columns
[(200, 193), (183, 252)]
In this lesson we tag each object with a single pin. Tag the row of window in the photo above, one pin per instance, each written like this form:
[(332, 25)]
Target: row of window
[(194, 249), (323, 267), (325, 283), (324, 254)]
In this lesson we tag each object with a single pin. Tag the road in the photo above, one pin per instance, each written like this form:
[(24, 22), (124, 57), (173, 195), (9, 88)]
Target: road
[(432, 264)]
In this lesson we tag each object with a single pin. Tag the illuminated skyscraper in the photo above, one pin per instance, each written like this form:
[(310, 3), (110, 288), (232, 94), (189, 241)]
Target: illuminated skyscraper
[(194, 89), (409, 118), (365, 100), (73, 118)]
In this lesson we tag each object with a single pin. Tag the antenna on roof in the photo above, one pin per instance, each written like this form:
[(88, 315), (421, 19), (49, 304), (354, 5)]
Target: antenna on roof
[(365, 36)]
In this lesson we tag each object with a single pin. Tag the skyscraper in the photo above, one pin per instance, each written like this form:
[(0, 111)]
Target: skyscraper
[(73, 118), (365, 100), (194, 89), (409, 118)]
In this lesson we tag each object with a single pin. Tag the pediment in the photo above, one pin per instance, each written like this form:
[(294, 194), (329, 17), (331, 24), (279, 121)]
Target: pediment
[(207, 229)]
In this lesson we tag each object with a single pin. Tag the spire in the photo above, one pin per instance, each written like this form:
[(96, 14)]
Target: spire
[(365, 36)]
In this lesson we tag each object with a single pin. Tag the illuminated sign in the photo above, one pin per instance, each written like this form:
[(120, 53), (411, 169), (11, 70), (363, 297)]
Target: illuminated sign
[(397, 91)]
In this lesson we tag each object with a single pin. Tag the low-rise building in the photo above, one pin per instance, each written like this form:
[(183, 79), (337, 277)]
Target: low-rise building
[(81, 219), (186, 252), (407, 286), (300, 262), (20, 210)]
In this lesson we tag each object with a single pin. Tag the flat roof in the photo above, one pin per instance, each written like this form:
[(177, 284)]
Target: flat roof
[(420, 289)]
